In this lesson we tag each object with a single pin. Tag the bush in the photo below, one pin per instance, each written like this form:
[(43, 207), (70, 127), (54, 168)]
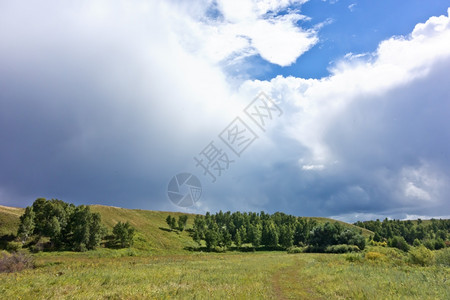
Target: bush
[(39, 244), (124, 234), (381, 244), (15, 262), (439, 244), (421, 256), (342, 248), (353, 257), (416, 243), (374, 256), (13, 246), (399, 242), (429, 244), (443, 257), (293, 250)]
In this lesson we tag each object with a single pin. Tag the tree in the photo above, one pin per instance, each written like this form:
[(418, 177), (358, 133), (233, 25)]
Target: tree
[(225, 238), (123, 234), (324, 235), (67, 226), (377, 237), (211, 238), (238, 238), (172, 222), (26, 226), (254, 235), (79, 228), (97, 231), (398, 242), (199, 229), (55, 231), (182, 221), (269, 235), (286, 236)]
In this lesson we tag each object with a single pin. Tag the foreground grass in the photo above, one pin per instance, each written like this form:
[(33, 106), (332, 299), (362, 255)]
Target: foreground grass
[(260, 275)]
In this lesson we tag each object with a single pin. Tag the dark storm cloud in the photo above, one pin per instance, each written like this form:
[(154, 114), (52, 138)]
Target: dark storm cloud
[(104, 106)]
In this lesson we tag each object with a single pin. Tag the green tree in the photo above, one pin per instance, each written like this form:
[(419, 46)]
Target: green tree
[(254, 235), (269, 235), (286, 236), (398, 242), (97, 231), (324, 235), (211, 238), (172, 222), (238, 238), (54, 231), (26, 226), (182, 221), (124, 234)]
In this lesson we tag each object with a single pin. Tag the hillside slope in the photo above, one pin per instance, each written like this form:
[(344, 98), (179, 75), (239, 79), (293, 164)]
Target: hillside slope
[(9, 219), (153, 233)]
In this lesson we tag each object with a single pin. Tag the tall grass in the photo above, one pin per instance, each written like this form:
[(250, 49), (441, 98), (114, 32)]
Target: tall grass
[(233, 275)]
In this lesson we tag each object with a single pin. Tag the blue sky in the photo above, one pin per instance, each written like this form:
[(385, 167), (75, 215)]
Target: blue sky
[(104, 102), (351, 26)]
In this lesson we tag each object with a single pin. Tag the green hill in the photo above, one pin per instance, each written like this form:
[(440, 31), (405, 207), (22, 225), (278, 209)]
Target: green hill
[(9, 219), (152, 231)]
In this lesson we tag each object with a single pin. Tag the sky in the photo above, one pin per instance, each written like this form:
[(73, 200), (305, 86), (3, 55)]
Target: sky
[(313, 108)]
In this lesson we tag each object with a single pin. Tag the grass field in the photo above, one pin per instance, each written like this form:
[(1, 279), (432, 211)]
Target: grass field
[(160, 267), (261, 275)]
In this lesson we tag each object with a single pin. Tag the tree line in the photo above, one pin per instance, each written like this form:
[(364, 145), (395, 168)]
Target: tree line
[(69, 227), (221, 231), (402, 234)]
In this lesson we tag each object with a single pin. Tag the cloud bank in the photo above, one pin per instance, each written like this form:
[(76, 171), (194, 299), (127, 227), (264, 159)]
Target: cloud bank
[(103, 103)]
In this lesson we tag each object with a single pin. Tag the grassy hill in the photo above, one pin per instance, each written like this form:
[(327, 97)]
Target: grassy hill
[(152, 231), (9, 219)]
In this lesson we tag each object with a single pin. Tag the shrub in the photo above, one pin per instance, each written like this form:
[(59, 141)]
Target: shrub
[(124, 234), (443, 257), (416, 243), (353, 257), (342, 248), (15, 262), (374, 256), (381, 244), (429, 244), (293, 250), (39, 244), (399, 242), (421, 256), (13, 246), (439, 244)]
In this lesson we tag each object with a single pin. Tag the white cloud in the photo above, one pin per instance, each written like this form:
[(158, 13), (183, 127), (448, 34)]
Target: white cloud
[(248, 28), (312, 167), (375, 115), (352, 6)]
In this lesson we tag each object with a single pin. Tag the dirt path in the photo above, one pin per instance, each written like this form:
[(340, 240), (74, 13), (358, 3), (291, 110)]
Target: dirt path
[(288, 284)]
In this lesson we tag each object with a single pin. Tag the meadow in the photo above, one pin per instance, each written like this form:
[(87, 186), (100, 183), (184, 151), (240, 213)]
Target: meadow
[(117, 274), (159, 266)]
